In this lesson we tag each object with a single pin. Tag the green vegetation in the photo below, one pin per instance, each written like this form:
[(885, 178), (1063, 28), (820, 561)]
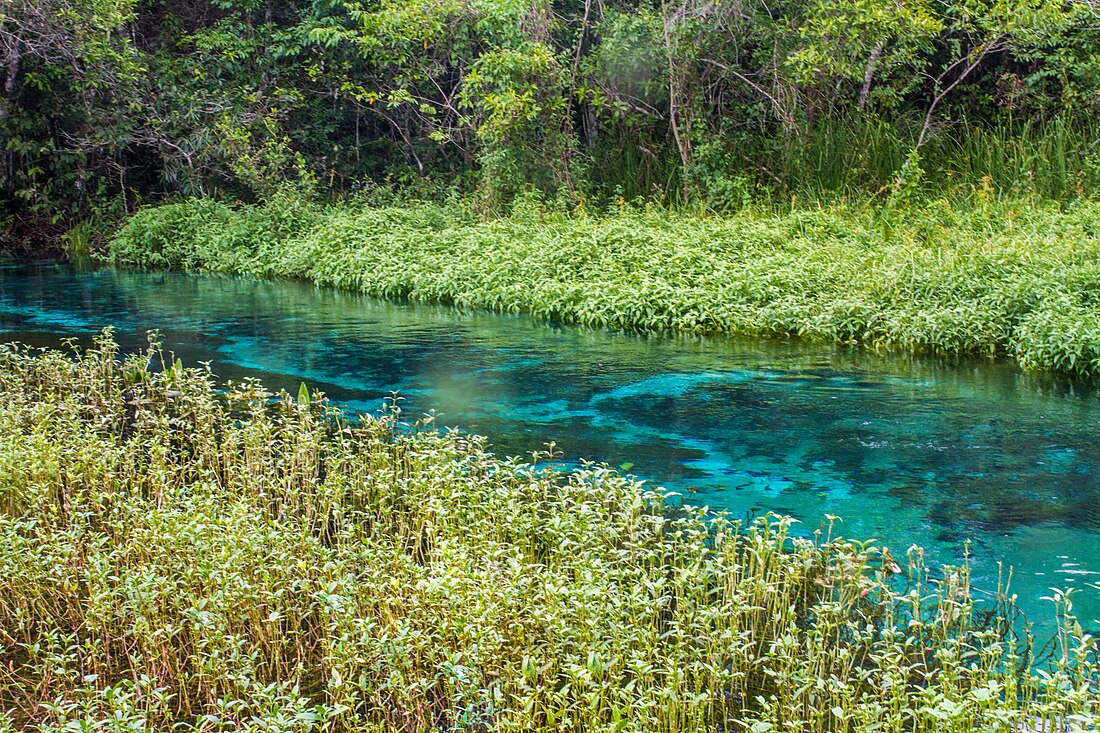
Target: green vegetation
[(106, 105), (229, 559), (916, 174), (977, 276)]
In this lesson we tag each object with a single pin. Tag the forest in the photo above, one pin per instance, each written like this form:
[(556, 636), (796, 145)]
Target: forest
[(108, 105)]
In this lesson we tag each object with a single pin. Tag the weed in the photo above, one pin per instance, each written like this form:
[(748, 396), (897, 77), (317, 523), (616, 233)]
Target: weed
[(176, 555), (976, 274)]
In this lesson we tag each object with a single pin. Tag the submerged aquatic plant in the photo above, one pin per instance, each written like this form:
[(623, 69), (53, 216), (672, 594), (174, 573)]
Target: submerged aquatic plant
[(174, 554)]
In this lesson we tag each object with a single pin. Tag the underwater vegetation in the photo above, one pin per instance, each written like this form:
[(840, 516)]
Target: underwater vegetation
[(178, 553)]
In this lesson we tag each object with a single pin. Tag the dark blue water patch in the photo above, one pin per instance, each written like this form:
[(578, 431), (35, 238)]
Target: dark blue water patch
[(955, 455)]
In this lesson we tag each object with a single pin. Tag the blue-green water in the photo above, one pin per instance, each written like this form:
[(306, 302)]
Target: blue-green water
[(906, 450)]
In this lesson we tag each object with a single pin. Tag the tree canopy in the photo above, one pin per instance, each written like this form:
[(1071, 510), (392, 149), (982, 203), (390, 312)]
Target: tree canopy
[(109, 103)]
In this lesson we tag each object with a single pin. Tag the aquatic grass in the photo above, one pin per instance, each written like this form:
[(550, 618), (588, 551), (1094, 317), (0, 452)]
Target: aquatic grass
[(175, 553), (970, 275)]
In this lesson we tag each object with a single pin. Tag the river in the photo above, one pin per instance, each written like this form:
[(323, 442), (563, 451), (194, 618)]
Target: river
[(957, 455)]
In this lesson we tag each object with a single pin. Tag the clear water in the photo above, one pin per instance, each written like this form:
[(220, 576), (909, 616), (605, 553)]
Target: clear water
[(905, 450)]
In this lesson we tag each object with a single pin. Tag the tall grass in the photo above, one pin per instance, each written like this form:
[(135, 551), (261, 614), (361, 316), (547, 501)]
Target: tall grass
[(1049, 160), (178, 556), (973, 275)]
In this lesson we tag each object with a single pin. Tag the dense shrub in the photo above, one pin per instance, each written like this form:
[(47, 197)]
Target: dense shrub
[(172, 555), (987, 278)]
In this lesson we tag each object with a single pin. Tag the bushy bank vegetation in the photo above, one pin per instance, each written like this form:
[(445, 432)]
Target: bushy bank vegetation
[(969, 275), (229, 559)]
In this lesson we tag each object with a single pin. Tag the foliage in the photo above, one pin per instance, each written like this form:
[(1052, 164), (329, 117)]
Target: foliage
[(986, 277), (181, 556), (69, 52), (106, 104)]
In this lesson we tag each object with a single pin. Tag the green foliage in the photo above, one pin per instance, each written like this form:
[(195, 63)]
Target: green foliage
[(244, 235), (109, 104), (970, 274), (854, 158), (178, 556), (62, 65)]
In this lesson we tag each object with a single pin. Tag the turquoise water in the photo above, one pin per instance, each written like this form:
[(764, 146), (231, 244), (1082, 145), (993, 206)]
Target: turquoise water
[(942, 453)]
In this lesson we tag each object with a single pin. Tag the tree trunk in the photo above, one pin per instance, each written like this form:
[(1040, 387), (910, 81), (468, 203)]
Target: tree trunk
[(12, 58), (869, 75), (986, 49), (683, 141), (568, 132)]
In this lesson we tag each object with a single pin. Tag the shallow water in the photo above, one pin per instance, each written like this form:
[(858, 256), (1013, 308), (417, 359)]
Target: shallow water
[(947, 454)]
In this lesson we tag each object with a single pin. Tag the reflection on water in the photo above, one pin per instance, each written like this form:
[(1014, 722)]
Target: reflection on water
[(907, 450)]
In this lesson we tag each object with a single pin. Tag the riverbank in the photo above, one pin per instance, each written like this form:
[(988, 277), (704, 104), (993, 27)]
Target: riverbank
[(989, 277), (221, 560)]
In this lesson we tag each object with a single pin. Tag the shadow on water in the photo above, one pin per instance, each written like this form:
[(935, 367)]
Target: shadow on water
[(944, 452)]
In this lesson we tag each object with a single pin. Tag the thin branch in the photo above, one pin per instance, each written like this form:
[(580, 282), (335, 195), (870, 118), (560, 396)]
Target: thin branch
[(779, 109)]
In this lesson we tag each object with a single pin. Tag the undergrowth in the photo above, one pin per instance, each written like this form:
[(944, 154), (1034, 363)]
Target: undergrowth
[(974, 276), (176, 555)]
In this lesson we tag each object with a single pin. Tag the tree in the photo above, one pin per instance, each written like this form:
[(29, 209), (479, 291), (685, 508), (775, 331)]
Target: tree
[(973, 31), (64, 62)]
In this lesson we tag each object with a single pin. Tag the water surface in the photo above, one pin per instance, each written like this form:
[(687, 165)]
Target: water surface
[(948, 454)]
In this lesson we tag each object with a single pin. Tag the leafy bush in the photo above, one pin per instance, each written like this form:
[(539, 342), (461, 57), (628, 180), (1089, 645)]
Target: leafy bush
[(979, 276), (174, 555)]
